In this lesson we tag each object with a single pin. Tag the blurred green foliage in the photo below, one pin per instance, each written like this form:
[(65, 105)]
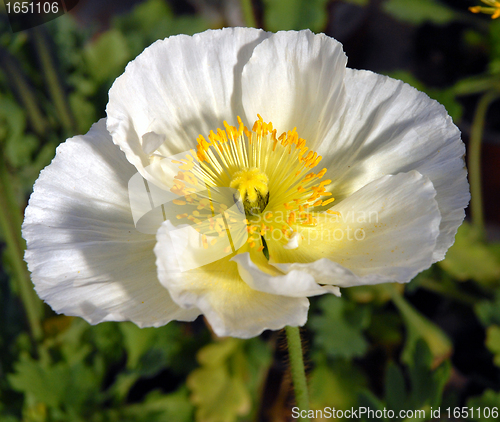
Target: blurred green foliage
[(372, 347)]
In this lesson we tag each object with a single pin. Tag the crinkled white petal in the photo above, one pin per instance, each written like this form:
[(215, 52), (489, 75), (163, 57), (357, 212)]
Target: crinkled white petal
[(84, 253), (299, 80), (331, 274), (295, 283), (179, 88), (388, 127), (386, 231), (230, 305)]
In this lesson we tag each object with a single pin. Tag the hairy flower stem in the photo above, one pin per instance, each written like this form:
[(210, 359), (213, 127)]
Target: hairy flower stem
[(475, 159), (297, 368), (10, 224)]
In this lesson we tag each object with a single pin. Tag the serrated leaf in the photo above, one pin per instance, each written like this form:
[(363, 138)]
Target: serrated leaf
[(158, 407), (427, 384), (470, 258), (395, 387), (47, 385), (217, 353), (68, 385), (423, 391), (418, 12), (149, 349), (335, 385), (230, 377), (218, 387), (295, 14), (338, 334), (136, 341), (219, 397)]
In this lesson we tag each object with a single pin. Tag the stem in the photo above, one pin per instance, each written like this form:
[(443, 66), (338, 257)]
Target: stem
[(248, 14), (10, 224), (475, 159), (27, 97), (53, 81), (448, 290), (297, 368), (418, 326)]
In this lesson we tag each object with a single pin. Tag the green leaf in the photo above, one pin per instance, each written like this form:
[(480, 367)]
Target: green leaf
[(145, 16), (218, 387), (64, 384), (153, 20), (488, 311), (427, 384), (84, 110), (149, 350), (159, 407), (470, 258), (335, 385), (493, 342), (47, 385), (339, 328), (295, 14), (18, 146), (217, 353), (419, 328), (229, 379), (423, 391), (395, 387), (107, 56), (418, 12), (367, 294)]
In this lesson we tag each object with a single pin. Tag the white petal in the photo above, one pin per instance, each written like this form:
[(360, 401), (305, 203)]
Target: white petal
[(295, 283), (386, 231), (331, 274), (180, 87), (295, 79), (230, 305), (151, 141), (389, 127), (84, 253)]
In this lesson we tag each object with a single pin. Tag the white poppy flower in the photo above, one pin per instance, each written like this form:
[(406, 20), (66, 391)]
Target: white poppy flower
[(382, 204)]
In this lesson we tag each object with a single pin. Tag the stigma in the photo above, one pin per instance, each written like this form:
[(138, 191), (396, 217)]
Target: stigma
[(252, 186)]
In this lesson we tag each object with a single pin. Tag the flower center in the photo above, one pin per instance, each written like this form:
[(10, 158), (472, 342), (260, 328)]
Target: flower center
[(252, 187), (271, 175)]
